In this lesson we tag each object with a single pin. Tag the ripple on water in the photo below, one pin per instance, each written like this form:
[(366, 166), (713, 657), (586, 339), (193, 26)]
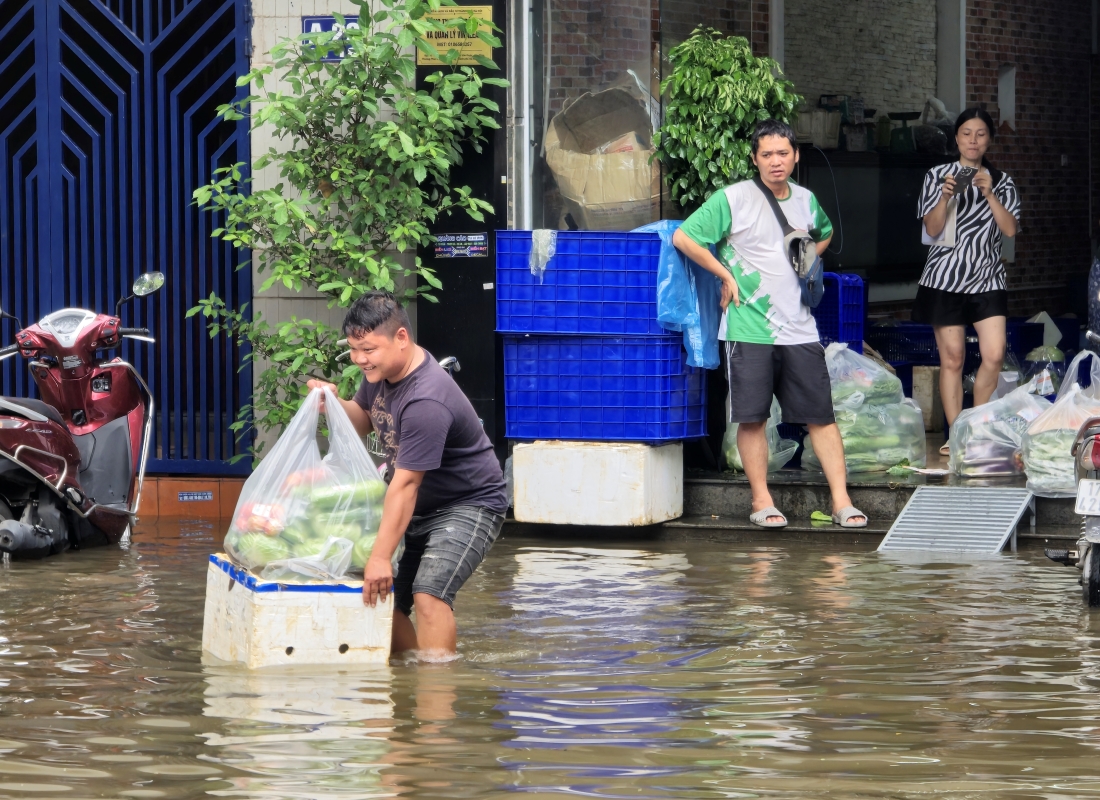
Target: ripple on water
[(656, 670)]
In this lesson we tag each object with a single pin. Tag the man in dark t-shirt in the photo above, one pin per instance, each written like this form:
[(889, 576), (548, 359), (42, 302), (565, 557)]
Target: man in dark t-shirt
[(446, 493)]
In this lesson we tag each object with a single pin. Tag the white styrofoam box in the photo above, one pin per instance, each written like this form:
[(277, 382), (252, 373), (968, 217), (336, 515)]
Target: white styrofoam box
[(598, 483), (264, 623)]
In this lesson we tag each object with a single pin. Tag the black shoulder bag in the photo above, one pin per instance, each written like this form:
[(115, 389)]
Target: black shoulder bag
[(801, 252)]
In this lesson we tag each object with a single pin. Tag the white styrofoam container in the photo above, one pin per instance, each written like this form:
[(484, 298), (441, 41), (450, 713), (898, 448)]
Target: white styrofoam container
[(263, 624), (598, 483)]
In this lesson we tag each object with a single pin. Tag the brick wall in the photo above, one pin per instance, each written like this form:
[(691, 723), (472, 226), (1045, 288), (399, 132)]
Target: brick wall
[(595, 42), (882, 50), (680, 17), (1050, 44)]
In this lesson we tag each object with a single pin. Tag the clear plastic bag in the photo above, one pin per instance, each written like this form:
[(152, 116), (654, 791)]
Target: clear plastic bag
[(880, 428), (780, 451), (1049, 438), (877, 437), (857, 380), (988, 440), (304, 517)]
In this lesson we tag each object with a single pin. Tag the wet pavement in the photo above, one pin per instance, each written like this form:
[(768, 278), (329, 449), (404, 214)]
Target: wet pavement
[(641, 669)]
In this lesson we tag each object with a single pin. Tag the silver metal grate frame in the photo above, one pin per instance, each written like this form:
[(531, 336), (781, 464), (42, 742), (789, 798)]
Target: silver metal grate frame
[(978, 519)]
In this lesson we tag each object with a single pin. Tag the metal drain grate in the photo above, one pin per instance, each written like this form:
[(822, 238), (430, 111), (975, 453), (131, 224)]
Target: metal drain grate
[(976, 519)]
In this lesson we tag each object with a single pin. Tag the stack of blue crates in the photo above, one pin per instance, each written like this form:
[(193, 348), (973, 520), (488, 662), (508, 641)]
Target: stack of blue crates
[(584, 357)]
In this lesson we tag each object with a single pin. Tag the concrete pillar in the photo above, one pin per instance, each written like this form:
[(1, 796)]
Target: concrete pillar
[(951, 53)]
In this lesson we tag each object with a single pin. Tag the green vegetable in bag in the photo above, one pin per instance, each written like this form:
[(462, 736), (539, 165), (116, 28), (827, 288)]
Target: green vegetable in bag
[(329, 498), (297, 532), (257, 550), (360, 553)]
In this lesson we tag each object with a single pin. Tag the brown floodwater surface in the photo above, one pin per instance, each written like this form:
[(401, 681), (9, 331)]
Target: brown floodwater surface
[(697, 669)]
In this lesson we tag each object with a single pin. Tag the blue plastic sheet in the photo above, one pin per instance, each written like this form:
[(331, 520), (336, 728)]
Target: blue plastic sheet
[(689, 299)]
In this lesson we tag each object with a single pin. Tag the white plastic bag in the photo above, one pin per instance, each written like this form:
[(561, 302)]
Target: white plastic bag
[(988, 440), (301, 516), (1049, 438), (780, 451)]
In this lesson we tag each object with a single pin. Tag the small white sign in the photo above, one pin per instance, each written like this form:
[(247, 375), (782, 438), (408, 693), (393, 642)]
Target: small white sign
[(486, 286), (1088, 498)]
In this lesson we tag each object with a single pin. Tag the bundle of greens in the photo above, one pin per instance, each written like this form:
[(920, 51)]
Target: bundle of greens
[(1049, 439), (880, 428), (877, 437)]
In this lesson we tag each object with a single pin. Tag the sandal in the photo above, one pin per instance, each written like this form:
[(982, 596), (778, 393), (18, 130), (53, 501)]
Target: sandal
[(945, 449), (843, 518), (760, 518)]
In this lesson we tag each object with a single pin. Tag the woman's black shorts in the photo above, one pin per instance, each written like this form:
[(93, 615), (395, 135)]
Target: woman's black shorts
[(937, 307)]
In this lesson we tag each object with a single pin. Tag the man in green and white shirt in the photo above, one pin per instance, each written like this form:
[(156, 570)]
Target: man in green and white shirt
[(772, 344)]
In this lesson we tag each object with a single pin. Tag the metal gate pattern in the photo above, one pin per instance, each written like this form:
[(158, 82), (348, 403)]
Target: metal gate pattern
[(975, 519), (107, 124)]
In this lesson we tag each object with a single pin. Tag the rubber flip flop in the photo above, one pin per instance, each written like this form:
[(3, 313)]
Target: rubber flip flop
[(760, 518), (844, 516), (945, 449)]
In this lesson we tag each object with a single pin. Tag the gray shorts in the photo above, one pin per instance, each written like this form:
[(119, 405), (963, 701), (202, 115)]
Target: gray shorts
[(795, 373), (442, 550)]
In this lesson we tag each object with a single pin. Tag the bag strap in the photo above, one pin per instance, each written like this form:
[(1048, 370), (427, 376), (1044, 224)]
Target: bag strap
[(779, 215)]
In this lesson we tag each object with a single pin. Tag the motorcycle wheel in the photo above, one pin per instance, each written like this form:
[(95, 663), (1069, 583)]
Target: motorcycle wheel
[(1090, 577)]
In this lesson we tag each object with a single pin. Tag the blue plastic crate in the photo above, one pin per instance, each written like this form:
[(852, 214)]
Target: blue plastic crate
[(839, 316), (916, 342), (905, 341), (601, 388), (598, 282)]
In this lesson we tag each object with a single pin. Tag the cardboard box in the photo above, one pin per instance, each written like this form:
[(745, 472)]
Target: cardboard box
[(599, 150)]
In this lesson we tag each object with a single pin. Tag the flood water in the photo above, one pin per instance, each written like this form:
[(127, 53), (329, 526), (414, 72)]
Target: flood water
[(691, 669)]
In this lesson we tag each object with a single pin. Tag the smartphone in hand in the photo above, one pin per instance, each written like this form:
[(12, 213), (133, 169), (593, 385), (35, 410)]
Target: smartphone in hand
[(964, 178)]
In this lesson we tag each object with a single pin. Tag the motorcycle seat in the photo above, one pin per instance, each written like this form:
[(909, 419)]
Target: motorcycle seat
[(45, 409)]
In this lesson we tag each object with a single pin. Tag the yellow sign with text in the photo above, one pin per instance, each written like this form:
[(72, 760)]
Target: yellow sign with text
[(457, 38)]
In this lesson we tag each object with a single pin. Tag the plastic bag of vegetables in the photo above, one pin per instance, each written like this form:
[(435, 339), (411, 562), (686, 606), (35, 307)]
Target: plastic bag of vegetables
[(780, 451), (304, 517), (877, 437), (1049, 438), (857, 380), (988, 440)]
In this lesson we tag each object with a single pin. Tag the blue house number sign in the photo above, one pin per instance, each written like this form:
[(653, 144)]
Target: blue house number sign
[(326, 25)]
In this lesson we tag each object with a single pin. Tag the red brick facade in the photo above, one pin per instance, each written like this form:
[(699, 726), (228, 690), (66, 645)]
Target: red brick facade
[(1050, 45)]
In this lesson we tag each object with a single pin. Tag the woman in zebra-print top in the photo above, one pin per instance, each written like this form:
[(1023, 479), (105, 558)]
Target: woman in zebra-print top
[(965, 284)]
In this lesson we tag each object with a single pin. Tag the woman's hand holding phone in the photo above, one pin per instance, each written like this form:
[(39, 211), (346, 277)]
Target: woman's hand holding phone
[(948, 189), (983, 181)]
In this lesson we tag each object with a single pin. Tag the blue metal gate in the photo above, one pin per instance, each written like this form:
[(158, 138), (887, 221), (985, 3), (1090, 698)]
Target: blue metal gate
[(107, 125)]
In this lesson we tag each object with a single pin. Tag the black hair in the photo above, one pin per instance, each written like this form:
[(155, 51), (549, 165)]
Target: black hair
[(773, 127), (976, 113), (376, 311)]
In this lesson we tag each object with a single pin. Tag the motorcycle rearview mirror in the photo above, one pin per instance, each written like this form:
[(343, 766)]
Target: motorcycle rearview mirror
[(148, 283), (143, 285)]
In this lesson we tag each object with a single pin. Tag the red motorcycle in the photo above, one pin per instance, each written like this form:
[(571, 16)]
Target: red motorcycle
[(72, 464)]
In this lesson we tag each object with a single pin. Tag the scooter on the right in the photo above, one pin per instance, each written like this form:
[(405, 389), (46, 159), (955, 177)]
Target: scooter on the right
[(1086, 458)]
